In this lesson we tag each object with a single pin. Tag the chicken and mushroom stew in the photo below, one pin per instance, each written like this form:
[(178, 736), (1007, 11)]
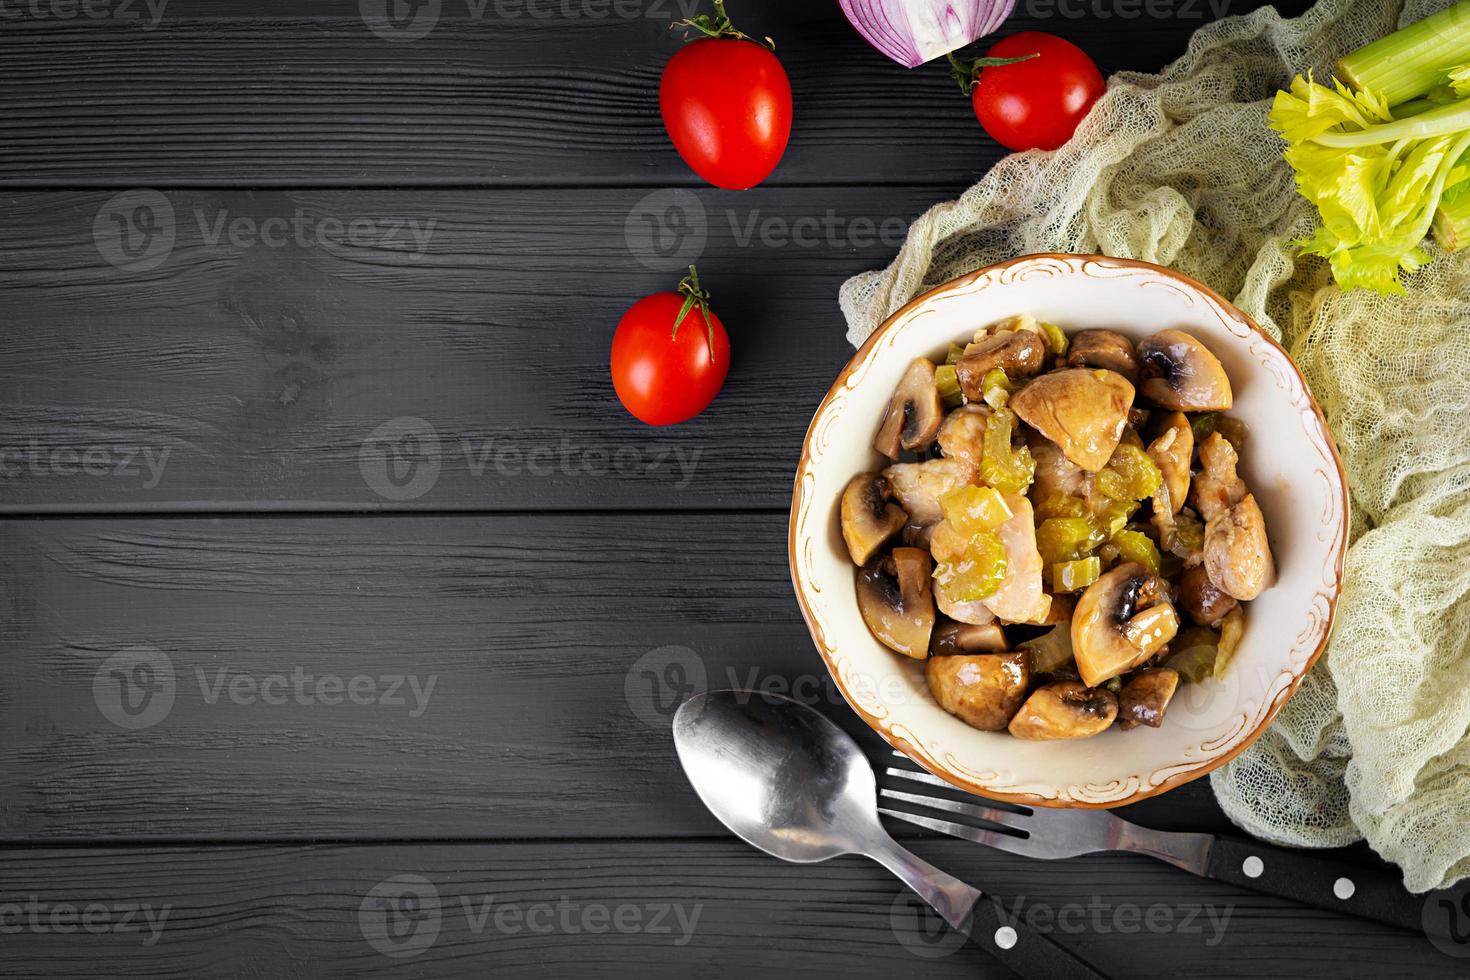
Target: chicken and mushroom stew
[(1062, 535)]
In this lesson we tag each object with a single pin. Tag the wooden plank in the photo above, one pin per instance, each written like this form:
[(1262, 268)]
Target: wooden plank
[(661, 909), (194, 678), (493, 93), (254, 367)]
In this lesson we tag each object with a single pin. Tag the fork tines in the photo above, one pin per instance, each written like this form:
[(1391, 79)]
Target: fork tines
[(1000, 827)]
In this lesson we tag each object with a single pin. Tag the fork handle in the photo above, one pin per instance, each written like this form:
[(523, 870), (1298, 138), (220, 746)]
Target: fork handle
[(1025, 951), (1314, 880)]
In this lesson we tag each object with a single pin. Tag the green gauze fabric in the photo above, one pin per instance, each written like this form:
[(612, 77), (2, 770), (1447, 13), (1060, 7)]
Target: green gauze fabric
[(1180, 169)]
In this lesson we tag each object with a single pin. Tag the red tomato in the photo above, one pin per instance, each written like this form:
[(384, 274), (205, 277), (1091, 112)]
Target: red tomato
[(661, 376), (1036, 103), (726, 103)]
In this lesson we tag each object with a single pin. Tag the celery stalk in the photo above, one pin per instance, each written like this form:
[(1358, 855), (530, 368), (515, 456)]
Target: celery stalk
[(1443, 121), (1452, 221), (1410, 62)]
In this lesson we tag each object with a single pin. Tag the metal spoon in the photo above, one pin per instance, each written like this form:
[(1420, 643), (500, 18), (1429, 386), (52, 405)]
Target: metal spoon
[(791, 783)]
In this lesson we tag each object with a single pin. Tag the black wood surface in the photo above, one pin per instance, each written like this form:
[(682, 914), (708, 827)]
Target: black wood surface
[(454, 687)]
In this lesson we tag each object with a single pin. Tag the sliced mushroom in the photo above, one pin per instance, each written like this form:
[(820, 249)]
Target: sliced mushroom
[(1020, 598), (1200, 599), (1083, 410), (914, 412), (1143, 699), (1171, 453), (1019, 353), (1237, 553), (949, 545), (1181, 373), (918, 486), (953, 638), (962, 434), (1103, 349), (982, 690), (896, 601), (869, 518), (1121, 620), (1065, 709)]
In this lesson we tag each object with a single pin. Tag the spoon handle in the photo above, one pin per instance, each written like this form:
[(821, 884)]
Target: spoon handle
[(1025, 951)]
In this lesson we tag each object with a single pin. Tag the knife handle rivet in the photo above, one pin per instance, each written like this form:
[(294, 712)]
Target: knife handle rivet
[(1252, 866), (1343, 888), (1005, 937)]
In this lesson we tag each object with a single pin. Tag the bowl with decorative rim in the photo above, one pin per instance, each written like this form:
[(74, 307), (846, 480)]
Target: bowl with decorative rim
[(1290, 464)]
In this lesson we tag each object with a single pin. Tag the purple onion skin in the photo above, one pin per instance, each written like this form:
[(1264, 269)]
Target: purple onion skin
[(885, 24)]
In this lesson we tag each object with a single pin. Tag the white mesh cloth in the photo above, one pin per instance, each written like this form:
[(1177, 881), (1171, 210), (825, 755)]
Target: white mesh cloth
[(1180, 169)]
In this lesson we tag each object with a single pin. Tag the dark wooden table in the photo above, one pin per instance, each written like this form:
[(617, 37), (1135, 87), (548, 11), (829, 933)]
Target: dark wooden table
[(342, 608)]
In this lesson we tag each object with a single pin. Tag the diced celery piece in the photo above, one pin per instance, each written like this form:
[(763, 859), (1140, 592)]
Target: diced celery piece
[(1193, 653), (956, 351), (1074, 576), (972, 510), (1129, 475), (946, 379), (1055, 338), (1063, 539), (978, 572), (1002, 467), (1135, 546), (1059, 505)]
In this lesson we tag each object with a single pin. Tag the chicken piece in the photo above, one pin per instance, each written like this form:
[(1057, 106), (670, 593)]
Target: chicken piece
[(1237, 553), (1020, 598), (918, 486), (1056, 475), (962, 435)]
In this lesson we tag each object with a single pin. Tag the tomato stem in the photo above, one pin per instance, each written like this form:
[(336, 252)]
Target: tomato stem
[(717, 27), (695, 296), (968, 75)]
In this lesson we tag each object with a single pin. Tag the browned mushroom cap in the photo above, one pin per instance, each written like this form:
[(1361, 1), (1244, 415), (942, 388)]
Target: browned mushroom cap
[(1200, 599), (1121, 620), (1143, 699), (952, 638), (1019, 353), (1082, 410), (1181, 373), (914, 412), (1103, 349), (1065, 709), (868, 517), (896, 602), (1171, 452), (983, 690)]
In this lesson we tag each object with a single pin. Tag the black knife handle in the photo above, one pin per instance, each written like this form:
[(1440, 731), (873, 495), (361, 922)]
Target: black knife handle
[(1316, 880), (1025, 951)]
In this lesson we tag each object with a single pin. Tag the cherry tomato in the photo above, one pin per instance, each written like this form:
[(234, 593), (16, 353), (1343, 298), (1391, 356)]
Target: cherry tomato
[(1036, 103), (726, 104), (663, 375)]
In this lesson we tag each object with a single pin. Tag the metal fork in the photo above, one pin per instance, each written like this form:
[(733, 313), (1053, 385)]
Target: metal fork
[(1050, 834)]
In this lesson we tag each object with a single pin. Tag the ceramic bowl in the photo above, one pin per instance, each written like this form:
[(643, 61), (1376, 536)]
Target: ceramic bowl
[(1290, 464)]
